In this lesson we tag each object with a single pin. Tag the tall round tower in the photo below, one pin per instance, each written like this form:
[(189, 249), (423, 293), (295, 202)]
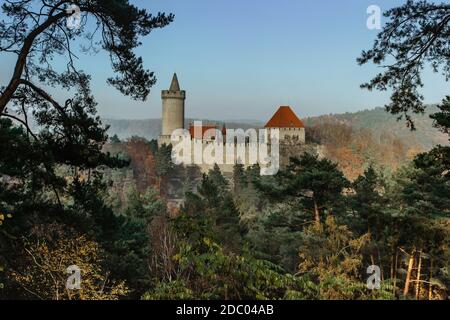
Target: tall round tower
[(172, 109)]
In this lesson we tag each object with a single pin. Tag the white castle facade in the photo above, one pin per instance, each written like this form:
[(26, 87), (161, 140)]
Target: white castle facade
[(283, 133)]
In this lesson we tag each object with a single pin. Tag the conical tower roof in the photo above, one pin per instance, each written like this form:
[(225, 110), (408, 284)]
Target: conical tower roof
[(174, 86), (284, 118)]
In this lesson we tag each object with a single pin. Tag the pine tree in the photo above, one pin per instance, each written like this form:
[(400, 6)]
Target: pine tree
[(316, 183), (369, 203), (239, 178), (415, 36)]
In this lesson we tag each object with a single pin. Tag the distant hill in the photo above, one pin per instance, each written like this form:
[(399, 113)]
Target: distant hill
[(124, 129), (151, 128), (372, 137), (377, 120)]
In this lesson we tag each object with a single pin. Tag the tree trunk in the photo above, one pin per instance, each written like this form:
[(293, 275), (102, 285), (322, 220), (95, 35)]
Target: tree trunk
[(380, 264), (418, 276), (392, 265), (430, 287), (316, 212), (395, 271), (408, 273)]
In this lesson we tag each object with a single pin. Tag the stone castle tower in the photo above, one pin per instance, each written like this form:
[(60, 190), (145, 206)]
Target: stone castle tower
[(172, 110)]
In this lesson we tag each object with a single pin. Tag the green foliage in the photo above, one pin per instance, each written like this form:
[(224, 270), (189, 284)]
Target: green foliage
[(332, 257), (55, 175), (152, 204), (306, 233), (427, 191), (369, 203), (442, 118), (40, 185), (276, 234), (207, 271), (215, 201), (239, 178), (125, 24), (114, 139), (163, 160), (217, 179), (145, 206), (229, 276), (316, 184), (174, 290), (416, 35)]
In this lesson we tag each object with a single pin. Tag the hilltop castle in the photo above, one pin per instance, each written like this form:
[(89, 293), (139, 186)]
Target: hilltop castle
[(289, 128)]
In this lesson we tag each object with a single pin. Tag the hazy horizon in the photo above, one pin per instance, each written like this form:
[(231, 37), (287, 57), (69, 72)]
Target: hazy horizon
[(244, 120)]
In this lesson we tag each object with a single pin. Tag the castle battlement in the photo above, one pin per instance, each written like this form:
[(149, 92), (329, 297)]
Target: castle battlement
[(167, 94)]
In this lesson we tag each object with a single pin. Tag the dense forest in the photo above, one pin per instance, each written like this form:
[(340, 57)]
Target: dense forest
[(72, 197), (307, 233)]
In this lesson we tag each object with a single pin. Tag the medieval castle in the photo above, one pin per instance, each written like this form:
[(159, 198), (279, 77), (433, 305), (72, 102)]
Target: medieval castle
[(290, 130)]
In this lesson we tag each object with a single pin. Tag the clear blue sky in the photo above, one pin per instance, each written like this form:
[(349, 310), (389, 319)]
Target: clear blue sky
[(241, 59)]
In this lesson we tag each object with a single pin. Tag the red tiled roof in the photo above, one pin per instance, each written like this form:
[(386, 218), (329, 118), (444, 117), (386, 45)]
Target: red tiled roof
[(200, 129), (284, 118)]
